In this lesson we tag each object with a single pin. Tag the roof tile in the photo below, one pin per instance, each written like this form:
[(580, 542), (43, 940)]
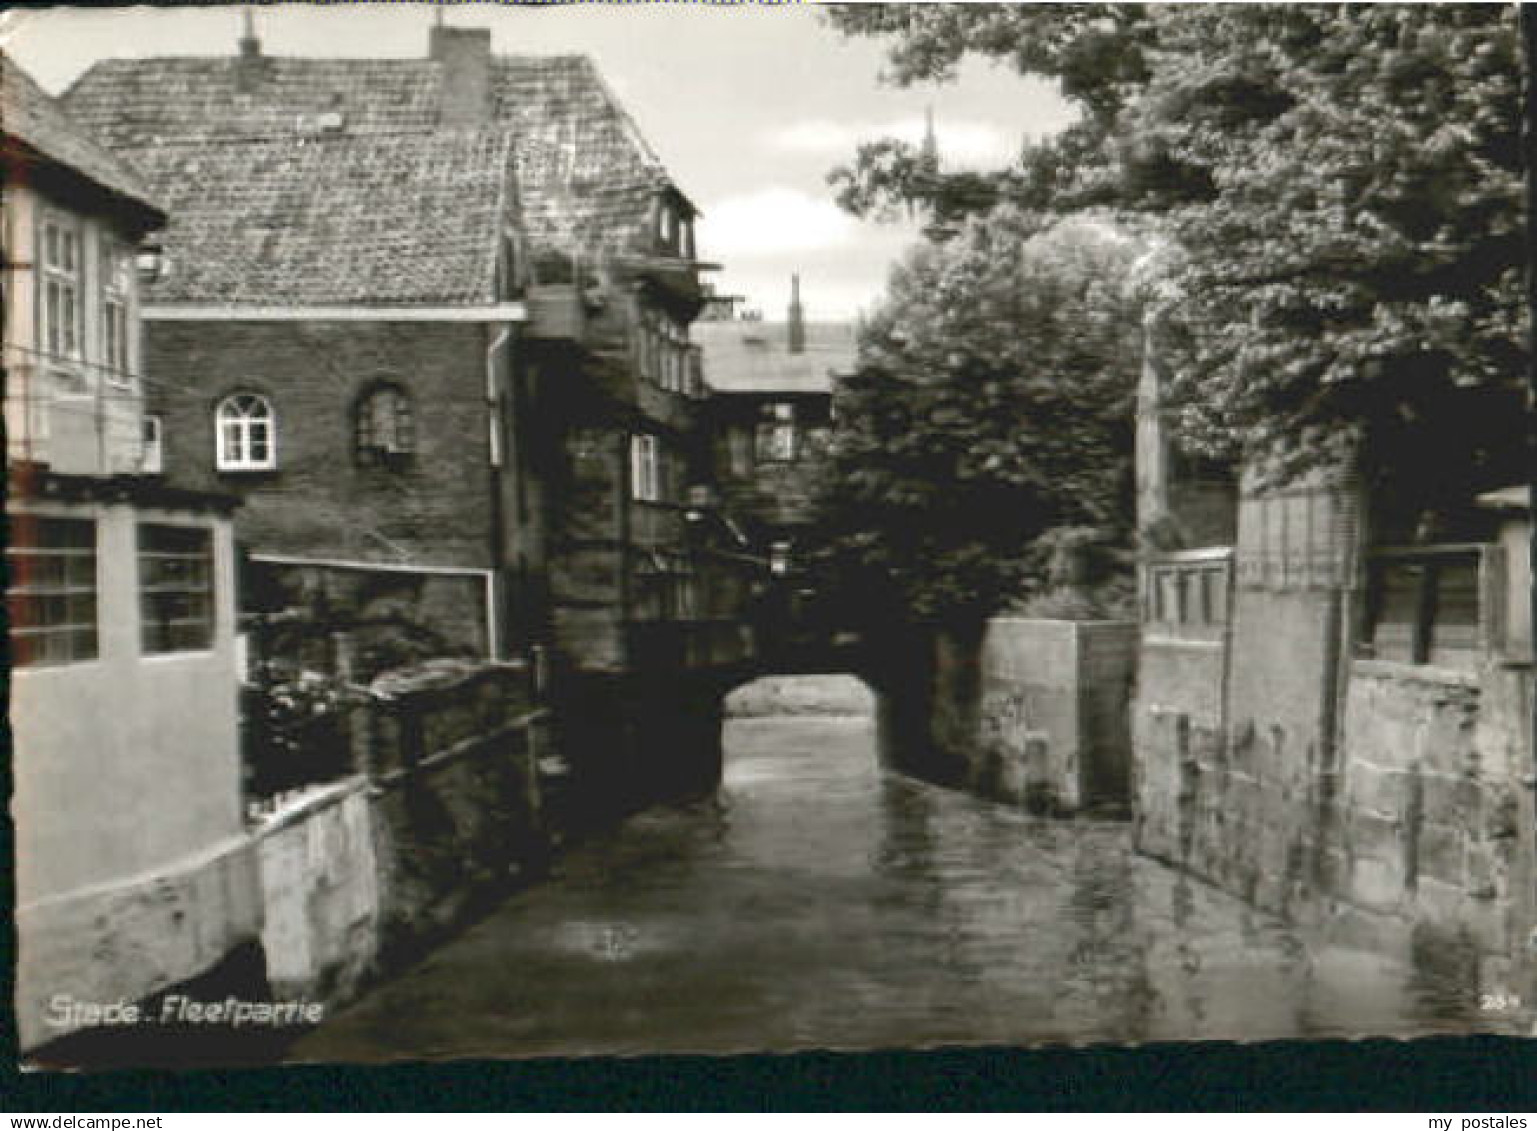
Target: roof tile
[(585, 175), (381, 220)]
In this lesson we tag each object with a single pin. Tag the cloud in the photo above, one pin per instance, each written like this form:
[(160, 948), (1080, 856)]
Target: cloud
[(773, 220), (962, 142)]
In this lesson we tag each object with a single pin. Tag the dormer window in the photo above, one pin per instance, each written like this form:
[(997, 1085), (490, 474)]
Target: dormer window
[(386, 431)]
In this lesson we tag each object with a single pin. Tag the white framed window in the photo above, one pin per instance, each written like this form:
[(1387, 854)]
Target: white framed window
[(60, 309), (777, 439), (645, 469), (151, 453), (779, 559), (115, 268), (245, 432)]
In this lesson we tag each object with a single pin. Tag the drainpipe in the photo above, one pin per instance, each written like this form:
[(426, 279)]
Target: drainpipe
[(496, 595)]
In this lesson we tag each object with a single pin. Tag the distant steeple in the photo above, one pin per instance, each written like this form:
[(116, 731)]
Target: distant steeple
[(930, 148), (796, 331)]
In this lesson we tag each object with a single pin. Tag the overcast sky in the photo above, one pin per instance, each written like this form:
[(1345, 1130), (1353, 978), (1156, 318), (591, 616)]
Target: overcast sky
[(749, 106)]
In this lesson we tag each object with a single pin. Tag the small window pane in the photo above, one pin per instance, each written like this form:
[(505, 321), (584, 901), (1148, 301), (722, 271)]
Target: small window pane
[(52, 595), (176, 587)]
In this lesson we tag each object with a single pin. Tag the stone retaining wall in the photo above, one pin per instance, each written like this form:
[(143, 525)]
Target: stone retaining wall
[(1406, 841), (320, 892), (1429, 810), (443, 817), (1038, 716)]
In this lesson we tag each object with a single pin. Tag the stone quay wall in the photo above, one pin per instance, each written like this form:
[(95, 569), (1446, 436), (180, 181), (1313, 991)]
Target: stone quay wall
[(1031, 712), (1382, 803)]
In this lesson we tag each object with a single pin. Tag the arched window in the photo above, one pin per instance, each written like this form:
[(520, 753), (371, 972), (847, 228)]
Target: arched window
[(246, 433), (385, 430)]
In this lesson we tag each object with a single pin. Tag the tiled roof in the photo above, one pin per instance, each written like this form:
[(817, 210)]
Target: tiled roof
[(585, 175), (30, 115), (754, 357), (326, 220)]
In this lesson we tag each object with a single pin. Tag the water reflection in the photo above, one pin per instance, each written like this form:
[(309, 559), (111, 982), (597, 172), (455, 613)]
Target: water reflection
[(821, 902)]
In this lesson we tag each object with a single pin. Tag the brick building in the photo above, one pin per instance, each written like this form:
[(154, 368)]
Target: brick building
[(434, 317)]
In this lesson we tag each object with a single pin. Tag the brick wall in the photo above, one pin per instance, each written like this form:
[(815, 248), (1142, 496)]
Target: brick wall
[(320, 502)]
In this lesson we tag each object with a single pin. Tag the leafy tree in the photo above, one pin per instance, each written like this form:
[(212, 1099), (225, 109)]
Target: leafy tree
[(993, 403), (1353, 289), (1340, 189)]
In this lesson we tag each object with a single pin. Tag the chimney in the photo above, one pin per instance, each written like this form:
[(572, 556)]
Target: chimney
[(797, 328), (250, 66), (465, 53)]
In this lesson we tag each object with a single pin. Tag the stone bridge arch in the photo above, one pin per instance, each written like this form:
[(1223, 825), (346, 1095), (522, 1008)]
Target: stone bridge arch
[(640, 736)]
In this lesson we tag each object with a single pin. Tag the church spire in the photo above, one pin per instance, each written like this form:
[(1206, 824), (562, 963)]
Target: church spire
[(930, 149)]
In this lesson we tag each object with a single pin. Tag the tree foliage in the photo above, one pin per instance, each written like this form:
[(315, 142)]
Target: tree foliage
[(1340, 192), (992, 405)]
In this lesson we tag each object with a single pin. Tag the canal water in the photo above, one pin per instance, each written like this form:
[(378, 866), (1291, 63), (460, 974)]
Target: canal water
[(821, 902)]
